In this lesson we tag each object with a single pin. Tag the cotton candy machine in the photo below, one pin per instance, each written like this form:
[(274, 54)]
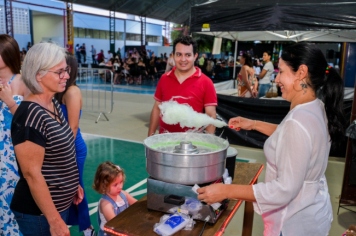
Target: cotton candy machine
[(176, 162)]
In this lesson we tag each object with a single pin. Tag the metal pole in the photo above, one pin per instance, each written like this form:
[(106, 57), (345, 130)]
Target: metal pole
[(112, 29), (64, 29), (124, 39), (70, 28), (9, 19), (235, 55)]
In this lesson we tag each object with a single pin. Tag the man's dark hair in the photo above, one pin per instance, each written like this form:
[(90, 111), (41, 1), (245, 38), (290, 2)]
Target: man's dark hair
[(186, 40)]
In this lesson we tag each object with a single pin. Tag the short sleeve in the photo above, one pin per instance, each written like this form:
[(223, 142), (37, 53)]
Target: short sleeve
[(210, 97), (20, 132), (293, 154), (266, 67), (158, 93)]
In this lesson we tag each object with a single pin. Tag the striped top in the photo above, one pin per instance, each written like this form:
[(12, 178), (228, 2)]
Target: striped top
[(33, 123)]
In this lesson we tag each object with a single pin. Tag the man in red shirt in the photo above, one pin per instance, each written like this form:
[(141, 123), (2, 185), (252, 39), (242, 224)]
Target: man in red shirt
[(185, 84), (100, 56)]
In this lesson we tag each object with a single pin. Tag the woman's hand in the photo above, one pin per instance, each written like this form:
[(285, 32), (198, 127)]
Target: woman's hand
[(254, 93), (6, 94), (57, 227), (238, 123), (78, 198), (213, 193)]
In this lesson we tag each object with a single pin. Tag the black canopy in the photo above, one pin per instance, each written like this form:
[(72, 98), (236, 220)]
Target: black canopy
[(278, 20)]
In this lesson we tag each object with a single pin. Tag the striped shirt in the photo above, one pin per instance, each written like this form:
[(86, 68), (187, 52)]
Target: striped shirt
[(33, 123)]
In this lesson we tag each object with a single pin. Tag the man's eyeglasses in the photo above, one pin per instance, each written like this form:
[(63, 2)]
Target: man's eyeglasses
[(62, 73)]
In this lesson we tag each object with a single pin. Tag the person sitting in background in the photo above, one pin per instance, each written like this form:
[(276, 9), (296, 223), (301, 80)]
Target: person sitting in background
[(265, 75), (203, 68), (152, 70), (210, 68), (109, 181), (100, 56), (102, 64), (71, 104), (218, 71), (109, 64)]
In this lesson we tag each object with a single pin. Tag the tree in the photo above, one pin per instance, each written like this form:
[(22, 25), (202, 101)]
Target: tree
[(205, 42)]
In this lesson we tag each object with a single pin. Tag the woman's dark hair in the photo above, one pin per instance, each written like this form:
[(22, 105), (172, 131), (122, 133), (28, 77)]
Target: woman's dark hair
[(10, 53), (255, 63), (248, 59), (205, 64), (329, 85), (269, 53), (186, 40), (73, 63)]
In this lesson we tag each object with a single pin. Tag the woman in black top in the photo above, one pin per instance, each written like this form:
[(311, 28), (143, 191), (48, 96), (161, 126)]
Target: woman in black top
[(134, 71), (152, 70), (143, 71), (44, 147)]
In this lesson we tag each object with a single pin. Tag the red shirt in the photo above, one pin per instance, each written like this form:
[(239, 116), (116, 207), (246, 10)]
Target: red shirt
[(198, 91)]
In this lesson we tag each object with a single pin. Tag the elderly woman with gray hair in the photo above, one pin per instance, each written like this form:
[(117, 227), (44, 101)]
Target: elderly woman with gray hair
[(44, 147)]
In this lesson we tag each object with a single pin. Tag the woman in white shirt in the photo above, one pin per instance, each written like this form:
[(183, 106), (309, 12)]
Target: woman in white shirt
[(294, 199), (265, 75)]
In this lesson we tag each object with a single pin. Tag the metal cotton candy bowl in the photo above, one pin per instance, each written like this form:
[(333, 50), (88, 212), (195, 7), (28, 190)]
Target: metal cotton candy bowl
[(185, 158)]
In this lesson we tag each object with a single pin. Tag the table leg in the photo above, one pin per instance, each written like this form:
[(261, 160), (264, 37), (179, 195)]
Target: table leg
[(248, 218)]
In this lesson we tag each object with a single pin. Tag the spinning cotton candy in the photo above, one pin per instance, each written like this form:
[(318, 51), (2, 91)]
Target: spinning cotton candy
[(174, 113)]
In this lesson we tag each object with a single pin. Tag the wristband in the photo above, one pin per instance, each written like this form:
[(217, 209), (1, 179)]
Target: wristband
[(12, 106)]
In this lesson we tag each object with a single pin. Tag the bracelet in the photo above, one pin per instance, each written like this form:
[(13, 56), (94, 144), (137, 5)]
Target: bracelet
[(254, 128), (12, 106)]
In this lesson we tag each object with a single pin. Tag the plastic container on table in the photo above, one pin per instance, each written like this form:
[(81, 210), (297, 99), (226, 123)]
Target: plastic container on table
[(231, 161)]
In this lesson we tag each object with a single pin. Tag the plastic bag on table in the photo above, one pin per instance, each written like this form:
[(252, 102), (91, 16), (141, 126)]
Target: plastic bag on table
[(170, 224)]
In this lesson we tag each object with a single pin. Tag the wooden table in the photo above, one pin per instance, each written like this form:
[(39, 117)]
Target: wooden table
[(137, 220)]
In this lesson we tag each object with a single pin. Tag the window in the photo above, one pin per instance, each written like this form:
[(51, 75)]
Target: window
[(154, 39), (2, 19), (133, 37), (81, 32), (119, 36), (75, 32), (21, 20), (89, 33), (96, 34), (102, 34)]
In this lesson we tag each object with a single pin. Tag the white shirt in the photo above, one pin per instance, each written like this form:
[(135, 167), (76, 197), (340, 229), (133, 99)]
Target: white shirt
[(294, 199), (257, 70), (267, 78)]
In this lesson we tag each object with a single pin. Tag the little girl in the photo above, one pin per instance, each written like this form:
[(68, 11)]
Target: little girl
[(109, 180)]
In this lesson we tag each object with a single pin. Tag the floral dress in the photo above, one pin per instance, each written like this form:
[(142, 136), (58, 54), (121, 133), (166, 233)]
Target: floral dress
[(9, 175)]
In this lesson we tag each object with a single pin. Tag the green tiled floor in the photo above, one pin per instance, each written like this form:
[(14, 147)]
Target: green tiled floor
[(129, 155)]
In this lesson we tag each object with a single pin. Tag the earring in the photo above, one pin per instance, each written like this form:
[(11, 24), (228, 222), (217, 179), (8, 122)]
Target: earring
[(293, 85)]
